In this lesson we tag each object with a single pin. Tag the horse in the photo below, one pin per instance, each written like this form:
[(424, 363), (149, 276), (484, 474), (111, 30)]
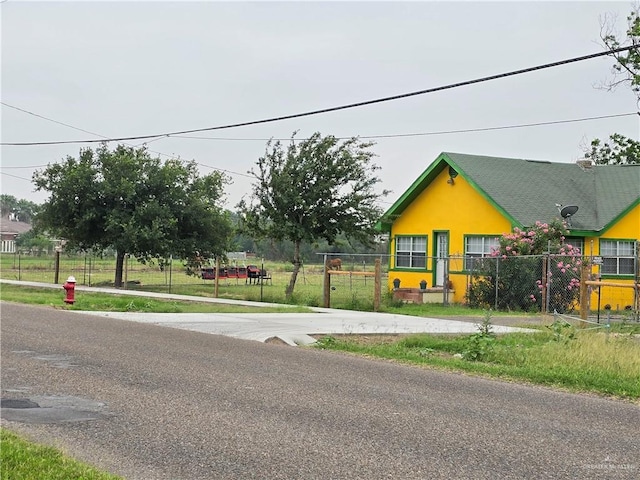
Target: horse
[(334, 264)]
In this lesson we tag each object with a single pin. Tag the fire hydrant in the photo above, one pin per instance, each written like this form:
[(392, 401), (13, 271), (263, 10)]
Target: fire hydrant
[(70, 287)]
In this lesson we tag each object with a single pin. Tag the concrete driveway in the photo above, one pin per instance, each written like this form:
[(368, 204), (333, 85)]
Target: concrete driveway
[(297, 328), (292, 328)]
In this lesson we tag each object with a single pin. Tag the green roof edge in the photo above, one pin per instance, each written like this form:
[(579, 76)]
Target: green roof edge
[(620, 215), (409, 194), (421, 183), (486, 196)]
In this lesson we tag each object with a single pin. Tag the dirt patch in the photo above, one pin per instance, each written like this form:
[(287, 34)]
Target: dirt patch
[(275, 341), (368, 339)]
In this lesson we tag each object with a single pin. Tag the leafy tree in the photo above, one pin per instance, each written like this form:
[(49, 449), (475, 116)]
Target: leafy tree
[(618, 150), (126, 200), (314, 189), (626, 71), (34, 241), (25, 210)]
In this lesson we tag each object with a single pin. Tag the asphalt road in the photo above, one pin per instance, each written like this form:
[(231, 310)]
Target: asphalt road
[(151, 402)]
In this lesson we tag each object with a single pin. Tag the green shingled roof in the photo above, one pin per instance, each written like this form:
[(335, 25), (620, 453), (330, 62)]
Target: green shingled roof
[(525, 191)]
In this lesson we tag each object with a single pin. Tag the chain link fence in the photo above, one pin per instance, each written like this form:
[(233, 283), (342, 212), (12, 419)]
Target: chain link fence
[(91, 270), (542, 283), (352, 289)]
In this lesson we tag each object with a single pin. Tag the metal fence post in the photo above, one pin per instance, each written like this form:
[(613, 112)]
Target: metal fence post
[(543, 290), (547, 283), (170, 272), (56, 272), (376, 286), (495, 304)]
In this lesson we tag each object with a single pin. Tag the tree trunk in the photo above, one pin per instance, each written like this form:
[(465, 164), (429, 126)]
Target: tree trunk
[(119, 267), (296, 268)]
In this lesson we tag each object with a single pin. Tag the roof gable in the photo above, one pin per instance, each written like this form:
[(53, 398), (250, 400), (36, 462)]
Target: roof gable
[(13, 227), (525, 191)]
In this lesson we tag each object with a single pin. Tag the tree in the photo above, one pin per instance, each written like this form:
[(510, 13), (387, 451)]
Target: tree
[(626, 70), (618, 150), (24, 210), (126, 200), (35, 242), (314, 189)]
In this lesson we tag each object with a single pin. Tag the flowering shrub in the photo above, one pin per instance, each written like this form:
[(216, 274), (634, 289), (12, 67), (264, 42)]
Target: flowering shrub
[(514, 277)]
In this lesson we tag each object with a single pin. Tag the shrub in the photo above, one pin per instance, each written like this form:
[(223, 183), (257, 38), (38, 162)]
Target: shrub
[(513, 277)]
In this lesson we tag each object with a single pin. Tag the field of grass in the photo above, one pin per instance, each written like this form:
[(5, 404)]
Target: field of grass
[(93, 301), (348, 292), (354, 293), (598, 361), (23, 460)]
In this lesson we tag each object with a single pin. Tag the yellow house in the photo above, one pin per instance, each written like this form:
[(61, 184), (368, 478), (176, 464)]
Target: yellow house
[(461, 204)]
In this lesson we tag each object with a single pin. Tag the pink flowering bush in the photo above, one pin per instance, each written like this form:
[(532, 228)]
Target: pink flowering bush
[(513, 277)]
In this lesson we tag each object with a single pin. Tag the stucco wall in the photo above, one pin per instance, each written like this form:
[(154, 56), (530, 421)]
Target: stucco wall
[(456, 208)]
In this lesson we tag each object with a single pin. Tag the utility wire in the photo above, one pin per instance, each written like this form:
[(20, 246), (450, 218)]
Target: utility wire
[(14, 176), (52, 120), (397, 135), (342, 107), (426, 134), (104, 137)]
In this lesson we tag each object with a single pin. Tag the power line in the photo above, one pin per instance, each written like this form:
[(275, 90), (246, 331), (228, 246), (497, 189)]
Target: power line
[(15, 176), (104, 137), (25, 166), (52, 120), (342, 107), (397, 135), (426, 134)]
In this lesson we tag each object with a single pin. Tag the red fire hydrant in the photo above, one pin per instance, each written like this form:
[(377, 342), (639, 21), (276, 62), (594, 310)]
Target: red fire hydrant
[(70, 287)]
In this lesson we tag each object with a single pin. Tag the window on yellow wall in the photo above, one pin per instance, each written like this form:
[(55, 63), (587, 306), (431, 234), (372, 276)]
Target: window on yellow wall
[(618, 257), (575, 242), (411, 252), (478, 247)]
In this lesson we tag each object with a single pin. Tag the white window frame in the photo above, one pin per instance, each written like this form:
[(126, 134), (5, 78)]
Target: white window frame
[(413, 249), (618, 257), (481, 249)]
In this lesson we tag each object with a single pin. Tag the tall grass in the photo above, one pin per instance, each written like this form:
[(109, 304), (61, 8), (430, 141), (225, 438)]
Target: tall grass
[(590, 361), (608, 363)]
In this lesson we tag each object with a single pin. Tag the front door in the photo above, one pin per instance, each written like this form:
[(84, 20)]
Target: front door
[(442, 252)]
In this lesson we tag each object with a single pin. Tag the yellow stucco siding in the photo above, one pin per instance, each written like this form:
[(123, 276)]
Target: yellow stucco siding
[(627, 228), (455, 208)]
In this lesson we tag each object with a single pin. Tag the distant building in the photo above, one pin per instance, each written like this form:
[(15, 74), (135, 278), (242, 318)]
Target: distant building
[(10, 228)]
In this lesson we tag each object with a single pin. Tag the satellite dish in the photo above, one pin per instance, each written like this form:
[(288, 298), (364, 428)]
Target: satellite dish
[(568, 210)]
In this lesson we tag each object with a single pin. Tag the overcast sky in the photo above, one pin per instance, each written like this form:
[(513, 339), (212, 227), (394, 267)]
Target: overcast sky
[(137, 68)]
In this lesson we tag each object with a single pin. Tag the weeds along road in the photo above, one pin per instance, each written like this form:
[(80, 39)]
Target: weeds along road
[(151, 402)]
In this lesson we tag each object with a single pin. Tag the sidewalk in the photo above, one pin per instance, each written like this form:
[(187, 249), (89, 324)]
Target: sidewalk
[(291, 328)]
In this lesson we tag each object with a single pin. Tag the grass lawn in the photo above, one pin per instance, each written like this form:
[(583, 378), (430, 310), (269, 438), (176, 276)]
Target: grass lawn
[(23, 460), (557, 355), (354, 298), (91, 301)]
